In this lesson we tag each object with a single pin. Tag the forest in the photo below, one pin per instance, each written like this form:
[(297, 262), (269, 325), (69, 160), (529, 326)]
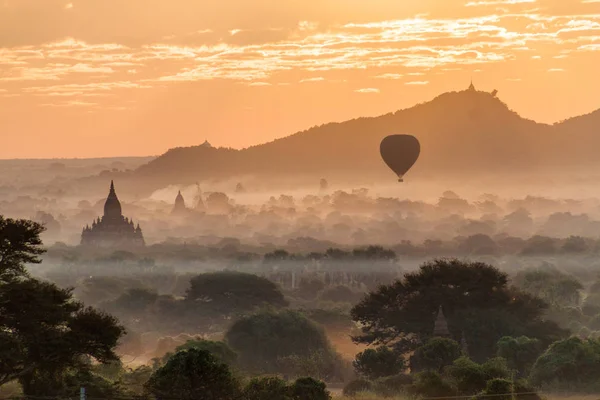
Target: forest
[(367, 321)]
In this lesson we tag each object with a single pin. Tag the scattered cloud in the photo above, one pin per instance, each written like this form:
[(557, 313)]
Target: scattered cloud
[(316, 79), (389, 76), (368, 90), (556, 70), (416, 46), (497, 2)]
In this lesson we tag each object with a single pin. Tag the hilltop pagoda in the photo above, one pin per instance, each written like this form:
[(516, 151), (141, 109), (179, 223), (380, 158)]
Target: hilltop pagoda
[(112, 230)]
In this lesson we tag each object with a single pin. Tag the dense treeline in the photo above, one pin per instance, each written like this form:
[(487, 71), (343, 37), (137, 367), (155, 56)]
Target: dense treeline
[(534, 329)]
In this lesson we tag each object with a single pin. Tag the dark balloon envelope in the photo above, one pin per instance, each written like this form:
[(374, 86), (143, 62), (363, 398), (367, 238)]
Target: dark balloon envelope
[(400, 152)]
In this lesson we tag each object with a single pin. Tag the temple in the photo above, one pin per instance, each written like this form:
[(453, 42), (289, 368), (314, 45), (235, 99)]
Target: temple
[(472, 87), (179, 207), (112, 230), (441, 325)]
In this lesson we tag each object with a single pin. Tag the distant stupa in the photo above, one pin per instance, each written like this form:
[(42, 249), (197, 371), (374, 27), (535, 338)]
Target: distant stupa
[(441, 325), (199, 204), (471, 87), (179, 207), (206, 144)]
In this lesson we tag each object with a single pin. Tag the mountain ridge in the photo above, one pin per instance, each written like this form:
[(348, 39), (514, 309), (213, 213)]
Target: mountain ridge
[(459, 131)]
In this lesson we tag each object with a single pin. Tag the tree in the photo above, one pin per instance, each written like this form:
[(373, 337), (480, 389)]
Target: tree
[(44, 333), (266, 339), (20, 244), (476, 301), (570, 364), (435, 354), (340, 294), (310, 287), (267, 388), (233, 292), (193, 375), (470, 378), (380, 362), (551, 285), (431, 384), (520, 353), (135, 301), (220, 350), (309, 389), (498, 388), (357, 386)]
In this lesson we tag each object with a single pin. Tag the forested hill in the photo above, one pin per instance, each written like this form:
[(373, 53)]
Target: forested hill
[(458, 131)]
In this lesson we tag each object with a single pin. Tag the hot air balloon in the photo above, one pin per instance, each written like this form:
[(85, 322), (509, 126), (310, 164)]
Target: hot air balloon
[(400, 152)]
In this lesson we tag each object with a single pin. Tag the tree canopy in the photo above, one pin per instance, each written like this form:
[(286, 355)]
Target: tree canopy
[(379, 362), (233, 292), (267, 342), (43, 330), (20, 244), (193, 374), (476, 301)]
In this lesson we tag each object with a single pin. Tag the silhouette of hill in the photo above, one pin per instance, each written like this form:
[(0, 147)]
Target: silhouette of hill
[(467, 131)]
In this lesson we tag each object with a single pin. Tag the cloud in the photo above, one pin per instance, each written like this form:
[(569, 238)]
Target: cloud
[(315, 79), (368, 90), (497, 2), (385, 49), (389, 76), (556, 70)]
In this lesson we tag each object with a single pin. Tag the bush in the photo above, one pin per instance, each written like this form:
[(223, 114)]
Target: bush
[(193, 375), (309, 389), (436, 354), (357, 386), (570, 364), (380, 362), (220, 350), (431, 384), (392, 386), (267, 388), (498, 388), (520, 353), (268, 340)]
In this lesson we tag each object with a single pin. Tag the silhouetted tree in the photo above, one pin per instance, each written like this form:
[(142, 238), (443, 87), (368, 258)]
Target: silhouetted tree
[(233, 292), (435, 355), (193, 375), (475, 299), (264, 339), (380, 362), (44, 333)]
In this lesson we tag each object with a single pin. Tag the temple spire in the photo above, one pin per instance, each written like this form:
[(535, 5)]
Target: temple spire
[(471, 86), (112, 206), (441, 325)]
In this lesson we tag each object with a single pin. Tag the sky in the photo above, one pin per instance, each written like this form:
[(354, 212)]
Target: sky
[(100, 78)]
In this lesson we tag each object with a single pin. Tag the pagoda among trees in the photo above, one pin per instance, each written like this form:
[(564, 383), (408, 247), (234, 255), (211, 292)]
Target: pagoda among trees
[(112, 230)]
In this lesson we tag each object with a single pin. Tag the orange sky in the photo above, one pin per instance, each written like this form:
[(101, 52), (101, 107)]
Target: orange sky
[(92, 78)]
